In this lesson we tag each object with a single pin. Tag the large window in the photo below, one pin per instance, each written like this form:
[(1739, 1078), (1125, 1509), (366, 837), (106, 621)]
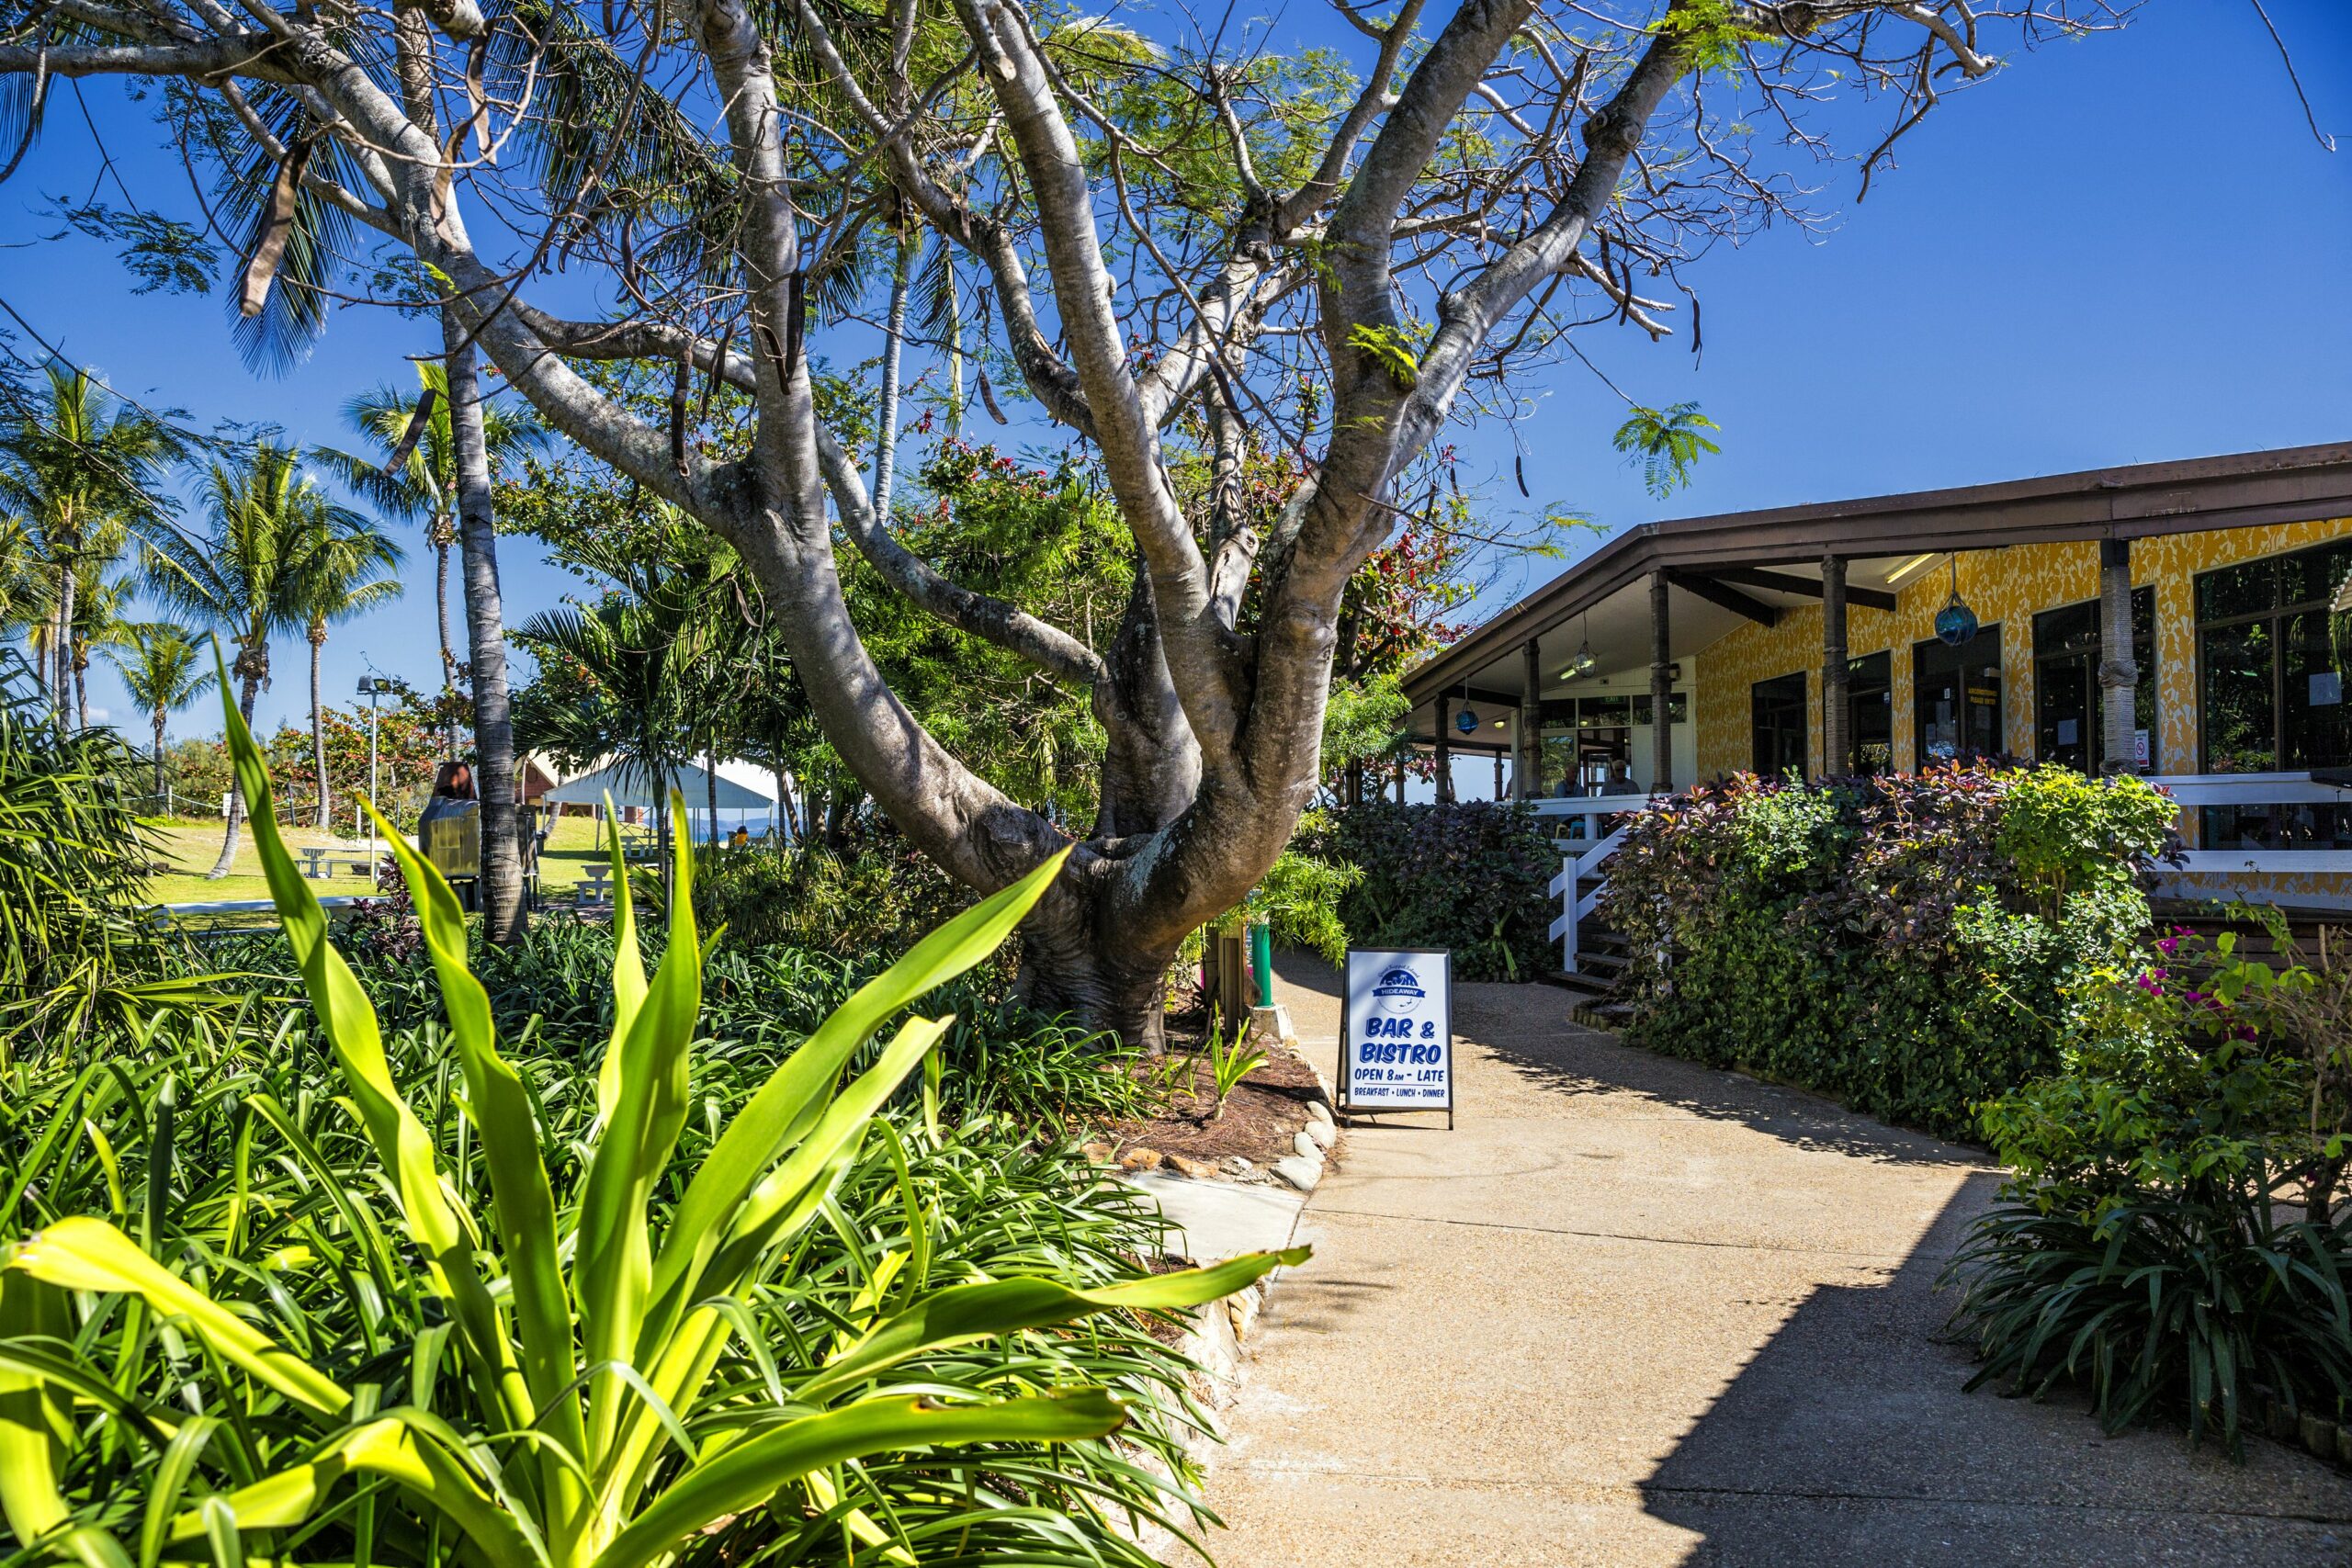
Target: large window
[(2272, 695), (2271, 691), (2067, 701), (1588, 741), (1956, 698), (1779, 726)]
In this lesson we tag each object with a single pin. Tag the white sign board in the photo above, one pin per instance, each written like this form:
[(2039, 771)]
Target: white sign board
[(1397, 1039)]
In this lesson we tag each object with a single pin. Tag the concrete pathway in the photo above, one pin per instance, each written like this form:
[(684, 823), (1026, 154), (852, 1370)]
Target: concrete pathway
[(1636, 1311)]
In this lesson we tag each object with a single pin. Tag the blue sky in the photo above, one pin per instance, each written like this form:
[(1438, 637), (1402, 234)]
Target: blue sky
[(2125, 249)]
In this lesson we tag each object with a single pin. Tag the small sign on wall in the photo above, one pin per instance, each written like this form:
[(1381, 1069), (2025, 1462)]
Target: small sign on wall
[(1396, 1032)]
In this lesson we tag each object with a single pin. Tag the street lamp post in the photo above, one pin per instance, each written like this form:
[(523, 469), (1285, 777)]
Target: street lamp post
[(371, 687)]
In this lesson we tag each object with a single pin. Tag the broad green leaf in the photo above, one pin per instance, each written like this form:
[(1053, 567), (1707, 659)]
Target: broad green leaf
[(749, 1473), (33, 1428), (402, 1142), (757, 1225), (991, 1310), (524, 1206), (389, 1448), (629, 967), (613, 1263), (788, 1104), (82, 1253)]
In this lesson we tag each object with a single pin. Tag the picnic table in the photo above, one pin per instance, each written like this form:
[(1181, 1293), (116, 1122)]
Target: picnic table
[(322, 861)]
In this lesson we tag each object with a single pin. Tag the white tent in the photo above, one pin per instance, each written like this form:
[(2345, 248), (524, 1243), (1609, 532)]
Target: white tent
[(741, 802)]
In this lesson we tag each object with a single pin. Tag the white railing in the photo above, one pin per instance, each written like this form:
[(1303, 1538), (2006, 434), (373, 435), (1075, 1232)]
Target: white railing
[(2196, 790), (1585, 844)]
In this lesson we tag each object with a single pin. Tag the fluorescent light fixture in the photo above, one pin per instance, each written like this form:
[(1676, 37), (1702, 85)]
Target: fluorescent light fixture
[(1907, 568)]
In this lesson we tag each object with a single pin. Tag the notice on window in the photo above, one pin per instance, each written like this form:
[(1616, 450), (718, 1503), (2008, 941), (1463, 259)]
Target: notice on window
[(2139, 747), (1396, 1040), (2069, 732), (2326, 688)]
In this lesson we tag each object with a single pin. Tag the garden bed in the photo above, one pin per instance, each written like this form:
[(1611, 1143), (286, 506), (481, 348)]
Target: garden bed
[(1263, 1116)]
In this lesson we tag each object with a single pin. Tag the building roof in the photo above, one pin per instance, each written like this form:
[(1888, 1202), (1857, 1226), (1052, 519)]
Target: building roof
[(1743, 563)]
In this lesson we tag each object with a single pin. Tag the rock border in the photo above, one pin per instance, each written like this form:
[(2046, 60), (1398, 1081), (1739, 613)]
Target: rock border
[(1218, 1343)]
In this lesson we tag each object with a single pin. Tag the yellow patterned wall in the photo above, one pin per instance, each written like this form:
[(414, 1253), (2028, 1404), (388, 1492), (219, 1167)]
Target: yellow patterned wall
[(2006, 587)]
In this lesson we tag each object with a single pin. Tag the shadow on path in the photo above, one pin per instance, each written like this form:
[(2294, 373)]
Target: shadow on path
[(1846, 1440)]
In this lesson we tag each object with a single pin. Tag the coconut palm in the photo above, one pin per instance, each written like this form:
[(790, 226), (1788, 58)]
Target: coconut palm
[(164, 670), (268, 524), (27, 595), (99, 622), (349, 573), (81, 472), (423, 487)]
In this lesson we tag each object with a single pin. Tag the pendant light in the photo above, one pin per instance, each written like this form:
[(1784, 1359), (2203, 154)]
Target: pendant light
[(1584, 660), (1955, 623)]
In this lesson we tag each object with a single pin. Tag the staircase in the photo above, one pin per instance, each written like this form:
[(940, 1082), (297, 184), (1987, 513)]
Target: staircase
[(1592, 954)]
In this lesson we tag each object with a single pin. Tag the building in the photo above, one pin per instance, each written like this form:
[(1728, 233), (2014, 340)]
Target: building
[(1806, 639)]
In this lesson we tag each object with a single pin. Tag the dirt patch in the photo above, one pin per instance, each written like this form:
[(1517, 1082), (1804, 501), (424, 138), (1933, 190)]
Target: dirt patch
[(1262, 1117)]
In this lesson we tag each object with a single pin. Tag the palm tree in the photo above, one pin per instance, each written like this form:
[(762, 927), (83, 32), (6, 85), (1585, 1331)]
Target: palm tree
[(27, 595), (80, 471), (423, 487), (163, 669), (613, 690), (349, 573), (98, 623), (268, 524)]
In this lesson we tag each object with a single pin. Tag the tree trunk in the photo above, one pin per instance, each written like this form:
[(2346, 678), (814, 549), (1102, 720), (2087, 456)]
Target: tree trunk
[(885, 438), (779, 812), (501, 859), (80, 684), (246, 687), (710, 791), (441, 531), (319, 724), (61, 646), (1077, 962), (161, 806)]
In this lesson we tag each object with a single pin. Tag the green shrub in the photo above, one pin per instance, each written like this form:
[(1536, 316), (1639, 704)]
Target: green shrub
[(2139, 1247), (410, 1297), (77, 953), (1474, 877), (1905, 945), (877, 898), (996, 1059)]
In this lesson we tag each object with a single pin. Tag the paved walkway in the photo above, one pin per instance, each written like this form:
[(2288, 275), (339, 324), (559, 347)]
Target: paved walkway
[(1636, 1311)]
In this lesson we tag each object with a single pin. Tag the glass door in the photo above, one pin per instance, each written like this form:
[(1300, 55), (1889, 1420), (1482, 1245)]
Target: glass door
[(1870, 707), (1779, 726)]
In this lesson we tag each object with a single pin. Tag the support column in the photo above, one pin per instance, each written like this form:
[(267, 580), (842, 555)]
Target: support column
[(1527, 774), (1445, 749), (1837, 711), (2118, 673), (1401, 776), (1661, 690)]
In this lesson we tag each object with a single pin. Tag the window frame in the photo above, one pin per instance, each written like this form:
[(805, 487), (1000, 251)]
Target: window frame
[(2277, 616)]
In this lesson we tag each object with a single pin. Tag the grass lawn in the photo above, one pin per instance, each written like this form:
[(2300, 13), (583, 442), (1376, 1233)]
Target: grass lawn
[(189, 848)]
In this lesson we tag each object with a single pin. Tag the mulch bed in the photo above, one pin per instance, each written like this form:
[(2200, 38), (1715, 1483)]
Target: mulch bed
[(1263, 1115)]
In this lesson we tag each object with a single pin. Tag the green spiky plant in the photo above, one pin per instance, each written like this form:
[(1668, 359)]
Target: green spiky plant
[(586, 1381)]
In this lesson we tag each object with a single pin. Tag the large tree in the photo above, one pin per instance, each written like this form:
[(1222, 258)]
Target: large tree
[(82, 474), (1340, 250), (163, 668), (271, 530)]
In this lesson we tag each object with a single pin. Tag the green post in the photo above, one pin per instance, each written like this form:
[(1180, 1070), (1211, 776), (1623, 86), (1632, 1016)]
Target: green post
[(1261, 960)]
